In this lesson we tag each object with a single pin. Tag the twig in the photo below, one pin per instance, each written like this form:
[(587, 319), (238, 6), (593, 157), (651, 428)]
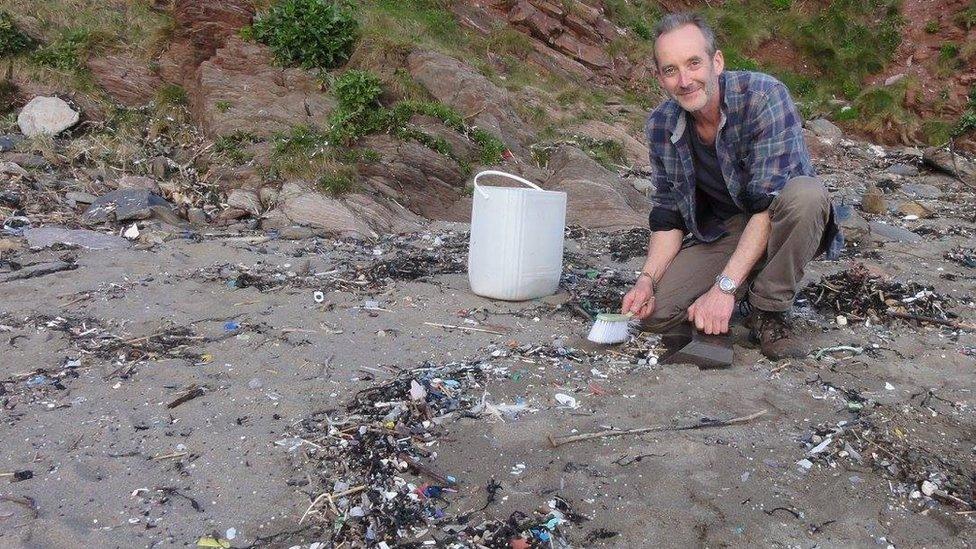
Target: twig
[(468, 328), (330, 497), (168, 456), (192, 393), (25, 501), (556, 442), (47, 269)]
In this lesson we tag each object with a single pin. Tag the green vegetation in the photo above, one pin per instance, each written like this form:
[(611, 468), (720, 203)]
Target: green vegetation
[(232, 146), (312, 34), (932, 26), (171, 95), (637, 15), (12, 40), (949, 57), (68, 52), (223, 105), (967, 122), (967, 17), (337, 182)]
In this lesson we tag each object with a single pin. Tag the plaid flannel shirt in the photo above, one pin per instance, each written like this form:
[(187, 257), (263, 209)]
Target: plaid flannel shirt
[(759, 146)]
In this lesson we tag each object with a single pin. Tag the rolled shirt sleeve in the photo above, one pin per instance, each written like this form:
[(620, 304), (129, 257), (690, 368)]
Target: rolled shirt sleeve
[(664, 215)]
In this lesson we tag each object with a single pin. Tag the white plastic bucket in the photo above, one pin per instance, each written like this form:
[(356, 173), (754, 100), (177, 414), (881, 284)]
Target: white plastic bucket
[(516, 247)]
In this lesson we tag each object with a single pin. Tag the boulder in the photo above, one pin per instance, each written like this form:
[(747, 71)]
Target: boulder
[(426, 182), (196, 216), (917, 209), (466, 90), (201, 27), (44, 237), (123, 205), (137, 182), (239, 89), (302, 205), (46, 116), (951, 163), (921, 190), (79, 197), (824, 129), (244, 200), (9, 142), (13, 169), (904, 170), (125, 79), (854, 227), (873, 201), (891, 233), (596, 198), (28, 160)]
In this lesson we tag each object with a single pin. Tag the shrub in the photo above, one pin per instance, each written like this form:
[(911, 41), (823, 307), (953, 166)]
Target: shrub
[(67, 52), (932, 26), (12, 40), (312, 34), (357, 90)]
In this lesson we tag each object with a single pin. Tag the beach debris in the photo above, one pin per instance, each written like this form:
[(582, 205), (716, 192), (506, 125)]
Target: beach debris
[(380, 482), (860, 295)]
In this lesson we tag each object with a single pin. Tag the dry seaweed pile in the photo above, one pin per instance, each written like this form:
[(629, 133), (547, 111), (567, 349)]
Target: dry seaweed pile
[(358, 267), (444, 254), (626, 245), (377, 467), (860, 295), (963, 256)]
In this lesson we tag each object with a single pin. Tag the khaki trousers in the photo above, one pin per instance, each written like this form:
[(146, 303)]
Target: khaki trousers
[(799, 215)]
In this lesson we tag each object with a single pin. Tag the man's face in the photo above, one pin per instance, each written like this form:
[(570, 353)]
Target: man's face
[(685, 70)]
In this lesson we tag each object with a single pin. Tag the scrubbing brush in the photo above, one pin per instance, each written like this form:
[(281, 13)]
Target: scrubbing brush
[(610, 328)]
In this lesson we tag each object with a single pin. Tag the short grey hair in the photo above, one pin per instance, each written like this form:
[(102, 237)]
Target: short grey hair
[(674, 21)]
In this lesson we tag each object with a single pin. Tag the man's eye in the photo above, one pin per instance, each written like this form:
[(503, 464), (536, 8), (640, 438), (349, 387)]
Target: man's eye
[(669, 71), (695, 63)]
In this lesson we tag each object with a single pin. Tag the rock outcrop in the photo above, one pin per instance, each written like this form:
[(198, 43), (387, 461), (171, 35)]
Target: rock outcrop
[(596, 198)]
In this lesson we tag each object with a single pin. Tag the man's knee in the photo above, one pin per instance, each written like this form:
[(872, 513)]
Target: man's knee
[(803, 194)]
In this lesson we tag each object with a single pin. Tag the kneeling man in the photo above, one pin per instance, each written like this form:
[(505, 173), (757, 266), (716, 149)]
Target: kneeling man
[(737, 210)]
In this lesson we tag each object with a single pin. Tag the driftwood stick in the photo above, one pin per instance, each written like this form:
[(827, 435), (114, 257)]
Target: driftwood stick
[(556, 442), (466, 328), (955, 324)]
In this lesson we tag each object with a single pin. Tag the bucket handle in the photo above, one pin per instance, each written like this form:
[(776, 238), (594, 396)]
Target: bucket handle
[(503, 174)]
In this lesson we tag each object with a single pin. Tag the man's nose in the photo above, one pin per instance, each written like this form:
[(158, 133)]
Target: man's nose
[(683, 79)]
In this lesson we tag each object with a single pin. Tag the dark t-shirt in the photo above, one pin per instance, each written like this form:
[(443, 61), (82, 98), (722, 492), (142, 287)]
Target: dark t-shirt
[(713, 201)]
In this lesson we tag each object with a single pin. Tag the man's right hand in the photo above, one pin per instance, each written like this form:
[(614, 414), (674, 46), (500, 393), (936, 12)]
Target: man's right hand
[(640, 299)]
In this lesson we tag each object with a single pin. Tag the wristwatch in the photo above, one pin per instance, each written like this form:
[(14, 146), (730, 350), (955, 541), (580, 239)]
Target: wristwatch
[(726, 285)]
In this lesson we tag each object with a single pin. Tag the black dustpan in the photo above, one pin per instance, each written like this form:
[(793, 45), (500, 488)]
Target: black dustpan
[(689, 346)]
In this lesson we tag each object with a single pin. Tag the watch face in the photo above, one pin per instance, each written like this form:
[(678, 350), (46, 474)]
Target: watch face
[(726, 284)]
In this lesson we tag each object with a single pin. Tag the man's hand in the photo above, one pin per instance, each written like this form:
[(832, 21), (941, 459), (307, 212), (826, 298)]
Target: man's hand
[(639, 300), (711, 312)]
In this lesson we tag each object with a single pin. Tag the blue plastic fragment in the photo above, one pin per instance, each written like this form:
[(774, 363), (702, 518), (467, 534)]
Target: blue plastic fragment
[(451, 479), (232, 326)]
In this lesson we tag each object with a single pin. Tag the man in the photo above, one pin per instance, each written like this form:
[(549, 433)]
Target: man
[(736, 209)]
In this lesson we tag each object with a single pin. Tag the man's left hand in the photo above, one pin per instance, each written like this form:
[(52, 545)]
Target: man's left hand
[(711, 312)]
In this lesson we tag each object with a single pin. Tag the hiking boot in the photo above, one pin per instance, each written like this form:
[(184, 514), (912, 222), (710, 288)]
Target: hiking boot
[(774, 333)]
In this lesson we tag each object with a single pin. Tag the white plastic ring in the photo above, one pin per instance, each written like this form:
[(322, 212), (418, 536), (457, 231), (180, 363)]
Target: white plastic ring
[(319, 297)]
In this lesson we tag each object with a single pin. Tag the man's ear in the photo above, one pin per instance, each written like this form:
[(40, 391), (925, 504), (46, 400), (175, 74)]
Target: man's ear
[(718, 62)]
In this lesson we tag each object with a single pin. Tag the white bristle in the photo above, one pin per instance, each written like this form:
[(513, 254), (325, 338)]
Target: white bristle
[(610, 329)]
